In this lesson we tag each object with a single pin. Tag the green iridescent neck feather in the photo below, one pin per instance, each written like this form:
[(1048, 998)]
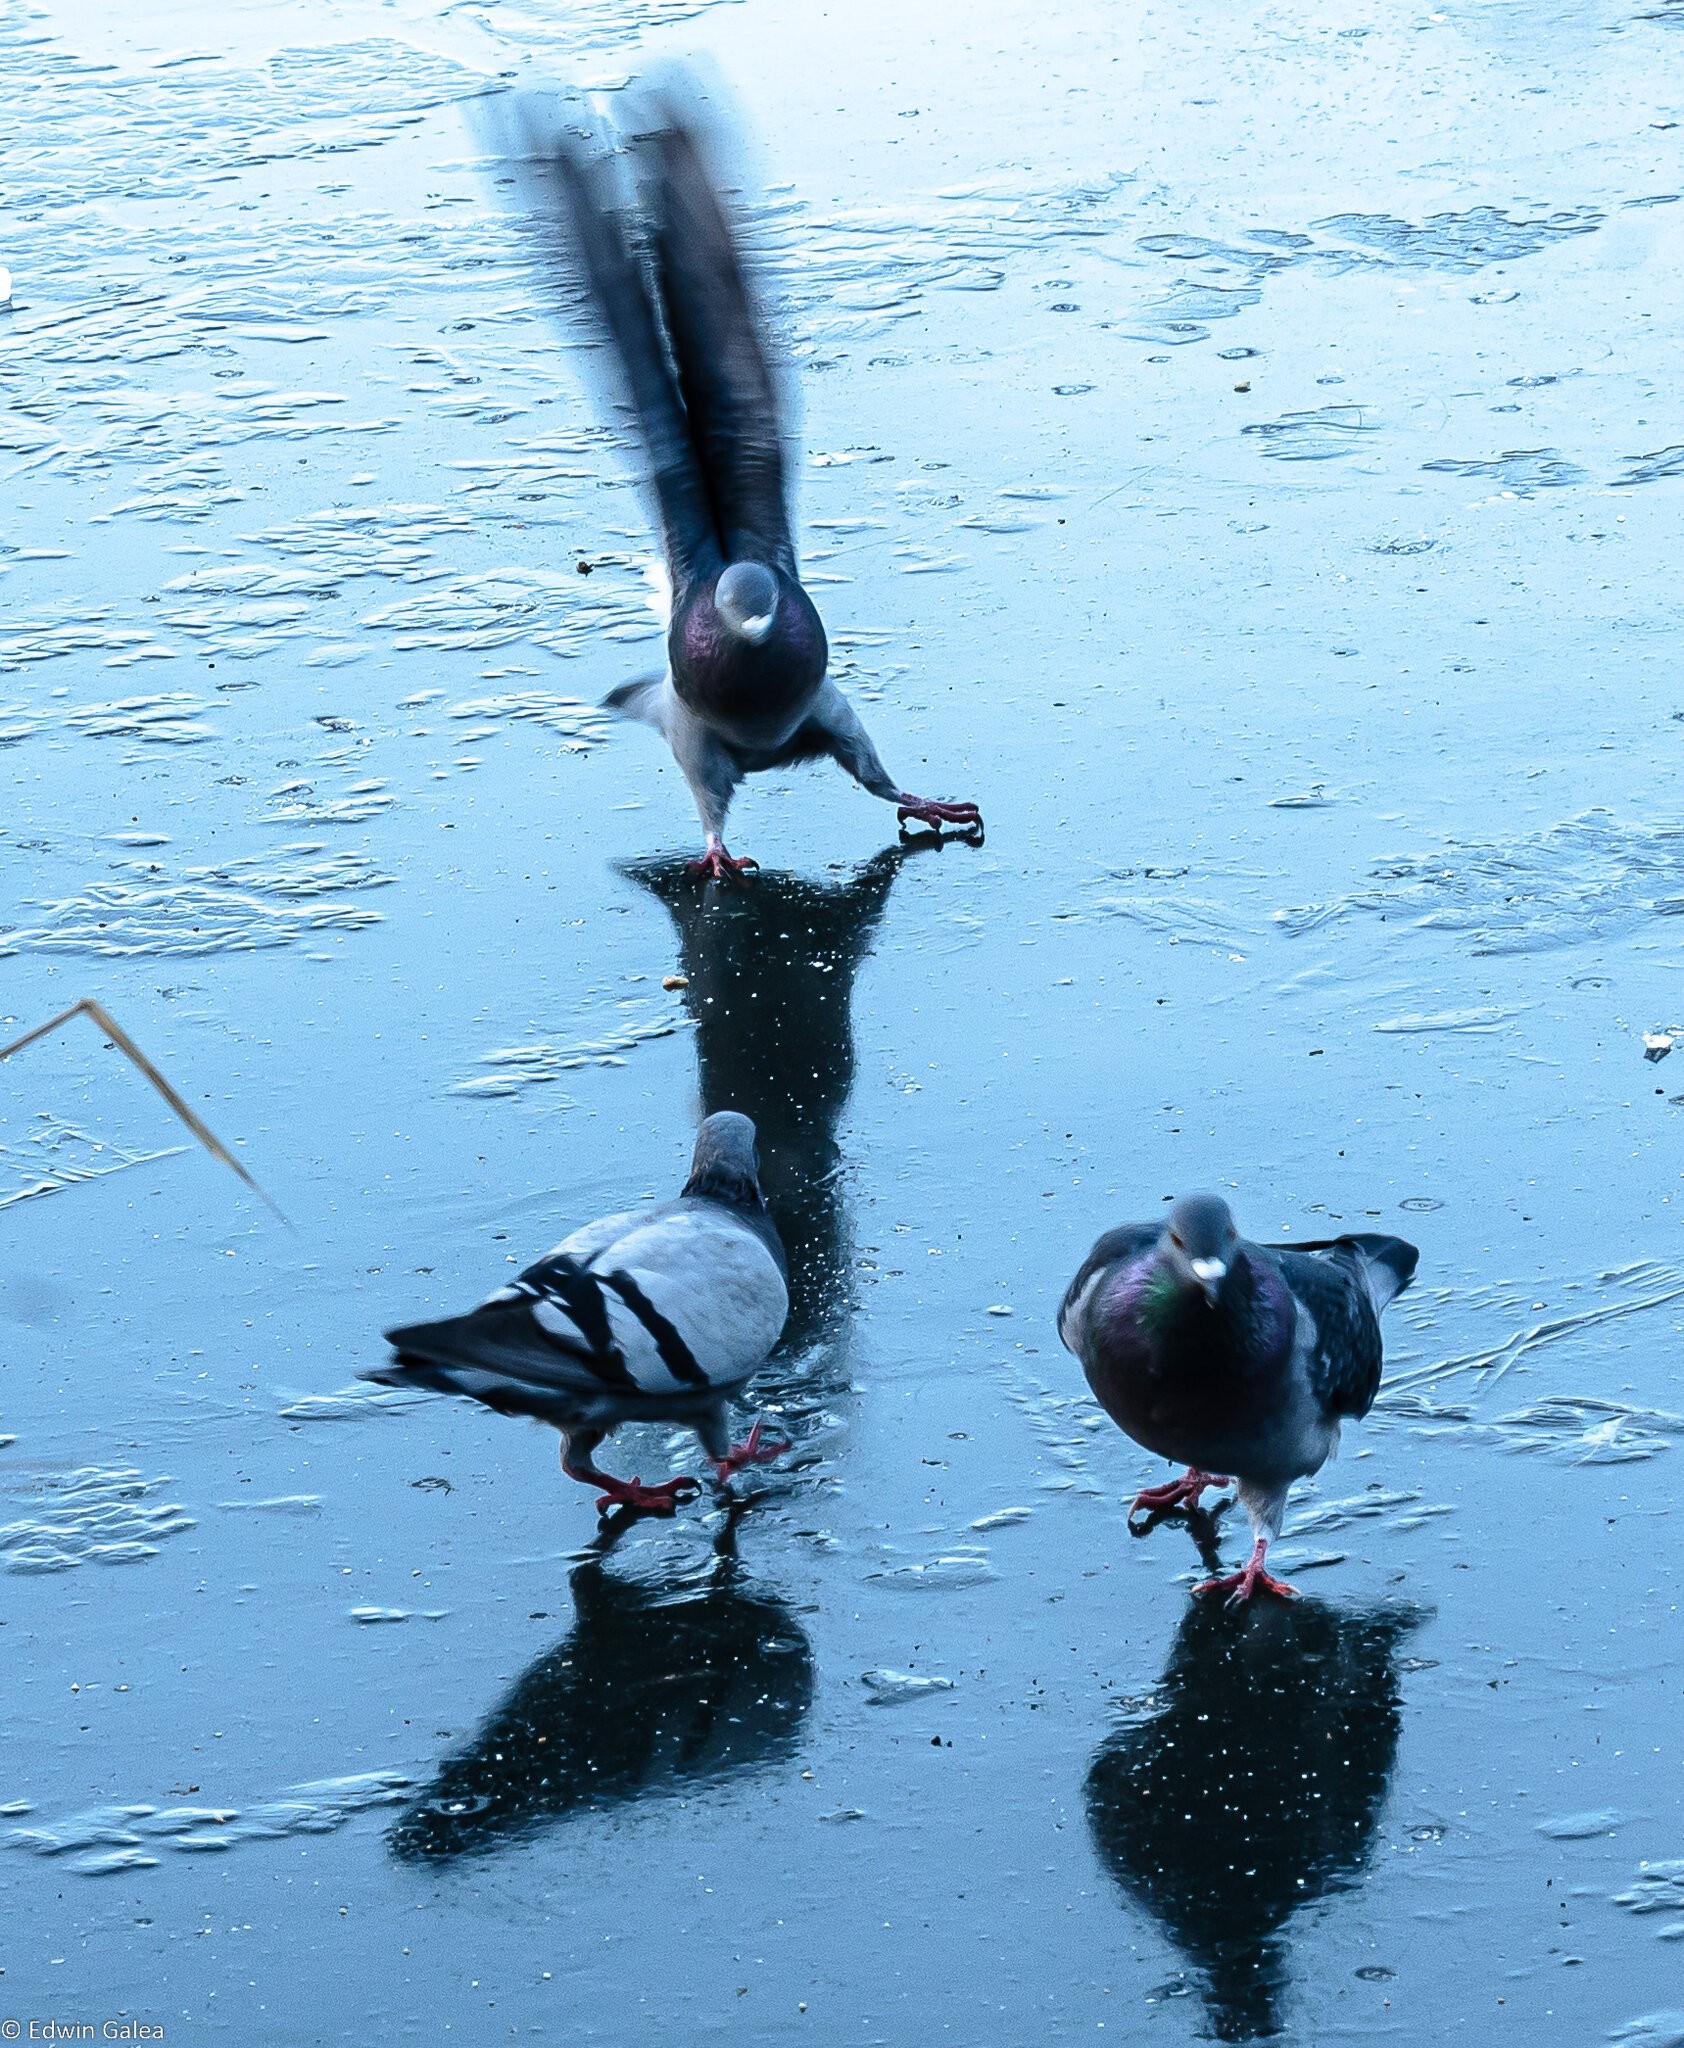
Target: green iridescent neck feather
[(1160, 1299)]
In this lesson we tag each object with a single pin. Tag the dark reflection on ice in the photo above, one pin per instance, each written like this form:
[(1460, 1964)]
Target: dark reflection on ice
[(1249, 1785), (771, 970), (664, 1684)]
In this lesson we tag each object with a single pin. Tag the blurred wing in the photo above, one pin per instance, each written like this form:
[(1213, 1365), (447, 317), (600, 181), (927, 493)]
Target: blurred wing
[(717, 342), (566, 177)]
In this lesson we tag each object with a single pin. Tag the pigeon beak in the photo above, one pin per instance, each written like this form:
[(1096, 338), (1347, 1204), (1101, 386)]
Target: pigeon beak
[(1210, 1274), (754, 630)]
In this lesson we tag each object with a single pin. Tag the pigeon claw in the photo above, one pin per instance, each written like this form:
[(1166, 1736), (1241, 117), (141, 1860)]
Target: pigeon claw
[(1241, 1585), (751, 1451), (666, 1498), (716, 865), (1178, 1493), (927, 811)]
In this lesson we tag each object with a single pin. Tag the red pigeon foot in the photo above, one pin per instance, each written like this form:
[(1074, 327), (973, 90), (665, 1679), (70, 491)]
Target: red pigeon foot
[(751, 1451), (1241, 1585), (664, 1499), (927, 811), (719, 866), (1179, 1493)]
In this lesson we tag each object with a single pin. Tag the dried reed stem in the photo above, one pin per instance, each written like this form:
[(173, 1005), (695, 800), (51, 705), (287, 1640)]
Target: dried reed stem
[(102, 1017)]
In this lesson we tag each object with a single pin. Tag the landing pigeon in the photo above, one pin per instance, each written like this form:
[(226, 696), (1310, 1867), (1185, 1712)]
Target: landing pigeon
[(746, 687), (652, 1315), (1232, 1357)]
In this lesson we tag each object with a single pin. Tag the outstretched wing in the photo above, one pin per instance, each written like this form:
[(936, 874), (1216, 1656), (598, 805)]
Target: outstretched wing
[(1330, 1281), (717, 344), (567, 177)]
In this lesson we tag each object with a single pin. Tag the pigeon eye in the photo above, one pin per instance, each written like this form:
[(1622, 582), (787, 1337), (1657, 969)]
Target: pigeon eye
[(1175, 1239)]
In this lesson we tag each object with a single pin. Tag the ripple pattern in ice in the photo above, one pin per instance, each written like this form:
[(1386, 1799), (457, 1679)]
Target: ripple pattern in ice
[(561, 614), (104, 1839), (1459, 241), (518, 1067), (1521, 470), (1590, 877), (55, 1155), (580, 725), (240, 906), (1321, 435), (90, 1516)]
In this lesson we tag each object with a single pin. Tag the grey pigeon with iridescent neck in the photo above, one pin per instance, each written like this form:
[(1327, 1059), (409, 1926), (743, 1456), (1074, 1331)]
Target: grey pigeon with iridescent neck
[(1231, 1357), (746, 687)]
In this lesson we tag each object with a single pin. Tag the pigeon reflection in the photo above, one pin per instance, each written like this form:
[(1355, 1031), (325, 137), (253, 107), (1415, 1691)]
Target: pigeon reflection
[(1250, 1785), (771, 968), (661, 1686)]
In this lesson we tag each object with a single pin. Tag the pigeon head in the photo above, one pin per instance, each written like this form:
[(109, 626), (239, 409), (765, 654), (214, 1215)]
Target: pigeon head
[(726, 1161), (746, 599), (1199, 1243)]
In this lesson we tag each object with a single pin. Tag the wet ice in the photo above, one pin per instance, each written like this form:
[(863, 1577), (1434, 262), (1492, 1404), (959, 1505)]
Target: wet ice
[(268, 313)]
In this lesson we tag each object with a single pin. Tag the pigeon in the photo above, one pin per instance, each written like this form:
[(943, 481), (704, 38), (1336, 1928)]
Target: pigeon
[(746, 685), (651, 1315), (1232, 1357)]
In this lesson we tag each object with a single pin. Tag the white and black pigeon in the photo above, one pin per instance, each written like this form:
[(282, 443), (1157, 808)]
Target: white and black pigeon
[(652, 1315), (746, 686), (1231, 1357)]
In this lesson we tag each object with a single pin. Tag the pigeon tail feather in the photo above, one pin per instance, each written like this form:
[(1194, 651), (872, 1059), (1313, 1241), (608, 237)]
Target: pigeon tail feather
[(1388, 1263)]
